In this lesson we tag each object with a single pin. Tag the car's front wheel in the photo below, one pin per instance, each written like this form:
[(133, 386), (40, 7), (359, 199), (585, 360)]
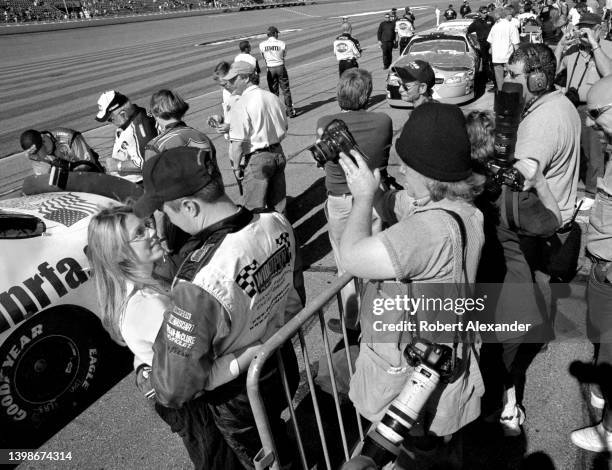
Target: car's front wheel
[(52, 367)]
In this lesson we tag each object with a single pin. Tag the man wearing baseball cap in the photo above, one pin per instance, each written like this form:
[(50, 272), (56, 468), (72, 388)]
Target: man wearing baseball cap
[(585, 63), (258, 125), (237, 283), (134, 130), (416, 81), (273, 52)]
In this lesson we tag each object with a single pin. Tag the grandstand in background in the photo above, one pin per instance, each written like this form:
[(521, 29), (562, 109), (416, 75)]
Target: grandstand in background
[(32, 11)]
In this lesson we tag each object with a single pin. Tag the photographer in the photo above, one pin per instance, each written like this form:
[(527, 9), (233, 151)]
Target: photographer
[(506, 356), (549, 131), (584, 58), (373, 133), (425, 248)]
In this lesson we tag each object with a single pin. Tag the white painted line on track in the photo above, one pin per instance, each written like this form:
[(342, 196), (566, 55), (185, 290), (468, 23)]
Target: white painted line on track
[(254, 36), (301, 13), (368, 13)]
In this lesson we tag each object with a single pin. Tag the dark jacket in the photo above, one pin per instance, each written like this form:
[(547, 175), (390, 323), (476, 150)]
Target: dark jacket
[(386, 31)]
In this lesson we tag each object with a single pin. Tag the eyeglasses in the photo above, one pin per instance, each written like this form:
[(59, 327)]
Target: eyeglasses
[(143, 231), (594, 113)]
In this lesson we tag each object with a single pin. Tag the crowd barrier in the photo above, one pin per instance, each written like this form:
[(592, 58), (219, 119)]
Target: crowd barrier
[(266, 458)]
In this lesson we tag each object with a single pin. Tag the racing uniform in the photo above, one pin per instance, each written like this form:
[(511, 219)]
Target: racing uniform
[(130, 142), (70, 145), (347, 52), (273, 51), (404, 30), (231, 292)]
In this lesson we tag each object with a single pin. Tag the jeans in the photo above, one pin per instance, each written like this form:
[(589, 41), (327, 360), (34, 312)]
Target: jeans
[(593, 150), (387, 53), (337, 211), (498, 71), (346, 64), (205, 445), (264, 181), (403, 42), (277, 76), (599, 309), (231, 411)]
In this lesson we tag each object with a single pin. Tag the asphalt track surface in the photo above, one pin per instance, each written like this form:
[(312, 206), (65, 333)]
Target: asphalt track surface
[(52, 79)]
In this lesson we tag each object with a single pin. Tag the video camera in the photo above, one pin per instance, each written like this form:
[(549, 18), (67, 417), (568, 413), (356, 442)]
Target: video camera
[(336, 138), (508, 107), (433, 363)]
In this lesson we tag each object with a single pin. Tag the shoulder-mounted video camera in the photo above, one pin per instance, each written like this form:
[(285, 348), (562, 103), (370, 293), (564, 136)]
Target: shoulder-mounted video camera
[(336, 138), (508, 108)]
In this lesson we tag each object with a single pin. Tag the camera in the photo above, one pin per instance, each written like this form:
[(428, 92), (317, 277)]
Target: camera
[(336, 138), (214, 121), (433, 363), (508, 107)]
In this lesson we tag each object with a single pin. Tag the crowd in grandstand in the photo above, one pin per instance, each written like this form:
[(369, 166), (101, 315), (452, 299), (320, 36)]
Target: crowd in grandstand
[(465, 217)]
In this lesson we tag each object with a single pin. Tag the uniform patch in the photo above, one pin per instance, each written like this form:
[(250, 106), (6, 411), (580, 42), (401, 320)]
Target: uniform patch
[(182, 324), (181, 313), (179, 338), (255, 278), (199, 254)]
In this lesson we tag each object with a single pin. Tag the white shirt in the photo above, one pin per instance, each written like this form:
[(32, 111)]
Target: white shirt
[(273, 52), (502, 36), (142, 319), (258, 118), (248, 58)]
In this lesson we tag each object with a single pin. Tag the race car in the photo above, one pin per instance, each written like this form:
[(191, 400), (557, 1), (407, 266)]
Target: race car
[(55, 356), (455, 59)]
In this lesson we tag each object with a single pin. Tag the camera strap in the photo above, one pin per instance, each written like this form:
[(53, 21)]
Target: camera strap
[(510, 213), (586, 67)]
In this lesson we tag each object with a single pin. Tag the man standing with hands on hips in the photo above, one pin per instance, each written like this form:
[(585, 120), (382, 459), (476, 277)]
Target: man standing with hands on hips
[(273, 51)]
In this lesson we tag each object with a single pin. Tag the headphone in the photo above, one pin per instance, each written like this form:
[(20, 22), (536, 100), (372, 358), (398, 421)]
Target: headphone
[(537, 81)]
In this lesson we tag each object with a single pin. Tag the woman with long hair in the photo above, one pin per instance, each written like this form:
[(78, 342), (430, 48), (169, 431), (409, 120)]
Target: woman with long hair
[(122, 251)]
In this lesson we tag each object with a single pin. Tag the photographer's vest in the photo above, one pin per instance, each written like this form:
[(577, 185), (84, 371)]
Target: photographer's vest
[(381, 368)]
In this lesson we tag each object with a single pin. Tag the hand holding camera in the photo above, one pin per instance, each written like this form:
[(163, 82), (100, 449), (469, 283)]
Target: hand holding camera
[(216, 122), (362, 181), (530, 169)]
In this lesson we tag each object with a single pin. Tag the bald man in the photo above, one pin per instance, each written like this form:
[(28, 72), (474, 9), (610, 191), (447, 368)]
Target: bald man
[(598, 438)]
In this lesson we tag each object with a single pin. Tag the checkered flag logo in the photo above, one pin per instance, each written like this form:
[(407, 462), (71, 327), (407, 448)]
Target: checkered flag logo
[(67, 209), (283, 239), (245, 279)]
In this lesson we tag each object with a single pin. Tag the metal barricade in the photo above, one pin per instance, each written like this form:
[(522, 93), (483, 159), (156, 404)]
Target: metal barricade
[(267, 457)]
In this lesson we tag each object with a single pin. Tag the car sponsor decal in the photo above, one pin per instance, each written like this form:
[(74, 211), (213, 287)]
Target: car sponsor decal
[(29, 297)]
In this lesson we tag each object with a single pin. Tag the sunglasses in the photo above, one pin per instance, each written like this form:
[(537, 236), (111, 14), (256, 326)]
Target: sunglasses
[(594, 113)]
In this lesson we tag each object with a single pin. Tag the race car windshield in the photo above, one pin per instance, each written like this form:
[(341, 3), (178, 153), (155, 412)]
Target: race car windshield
[(439, 47), (18, 226)]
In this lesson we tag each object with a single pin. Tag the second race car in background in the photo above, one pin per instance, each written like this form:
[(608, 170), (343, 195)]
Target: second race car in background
[(455, 58)]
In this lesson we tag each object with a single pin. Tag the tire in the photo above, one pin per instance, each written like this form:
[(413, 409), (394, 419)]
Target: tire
[(52, 367)]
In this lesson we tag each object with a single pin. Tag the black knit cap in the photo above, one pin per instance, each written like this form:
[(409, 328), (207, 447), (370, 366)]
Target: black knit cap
[(435, 143)]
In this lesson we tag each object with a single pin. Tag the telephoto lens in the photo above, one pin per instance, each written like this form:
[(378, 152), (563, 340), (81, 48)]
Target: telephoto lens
[(403, 412)]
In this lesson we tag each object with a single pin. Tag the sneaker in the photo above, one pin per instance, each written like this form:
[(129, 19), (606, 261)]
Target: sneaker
[(511, 425), (587, 203), (597, 399), (594, 438)]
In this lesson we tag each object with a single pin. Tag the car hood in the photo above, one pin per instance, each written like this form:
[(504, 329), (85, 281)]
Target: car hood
[(441, 61)]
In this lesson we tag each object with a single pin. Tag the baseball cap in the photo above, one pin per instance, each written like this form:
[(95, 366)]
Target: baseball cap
[(589, 19), (108, 102), (435, 142), (273, 30), (175, 173), (239, 67), (416, 70)]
